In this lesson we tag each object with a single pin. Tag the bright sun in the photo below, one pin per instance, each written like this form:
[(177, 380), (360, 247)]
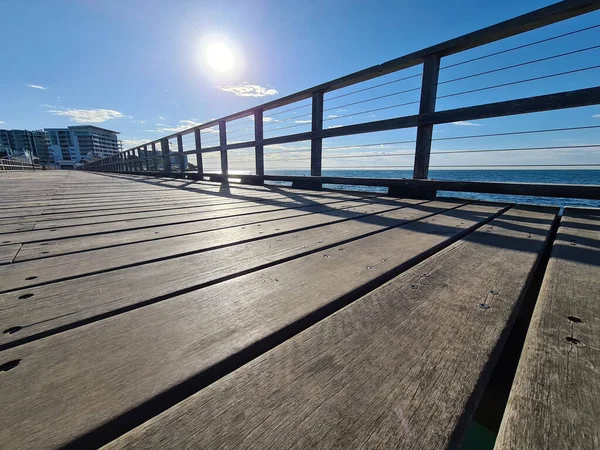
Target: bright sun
[(220, 57)]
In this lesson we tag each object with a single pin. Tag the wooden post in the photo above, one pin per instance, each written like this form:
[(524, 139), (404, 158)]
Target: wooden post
[(431, 70), (223, 144), (316, 144), (166, 155), (154, 156), (259, 149), (200, 169), (180, 153), (146, 161)]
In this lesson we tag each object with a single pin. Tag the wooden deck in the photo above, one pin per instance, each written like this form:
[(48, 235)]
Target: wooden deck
[(143, 312)]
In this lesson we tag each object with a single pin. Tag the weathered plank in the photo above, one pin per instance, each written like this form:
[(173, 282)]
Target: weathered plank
[(122, 362), (51, 248), (554, 401), (8, 252), (208, 214), (51, 269), (58, 304), (48, 222), (400, 368)]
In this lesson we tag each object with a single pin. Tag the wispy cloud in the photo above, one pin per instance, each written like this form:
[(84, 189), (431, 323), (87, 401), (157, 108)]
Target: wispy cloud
[(249, 90), (2, 121), (462, 123), (36, 86), (181, 126), (129, 143), (596, 116), (161, 118), (332, 116), (87, 115), (302, 121)]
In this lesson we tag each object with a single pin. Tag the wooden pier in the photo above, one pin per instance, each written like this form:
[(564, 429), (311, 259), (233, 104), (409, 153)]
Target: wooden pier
[(148, 312)]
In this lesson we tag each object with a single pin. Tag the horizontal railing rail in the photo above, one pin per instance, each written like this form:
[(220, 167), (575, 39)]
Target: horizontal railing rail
[(10, 165), (168, 155)]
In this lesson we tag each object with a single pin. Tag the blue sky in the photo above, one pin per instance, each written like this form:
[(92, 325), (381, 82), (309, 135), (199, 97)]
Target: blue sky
[(139, 67)]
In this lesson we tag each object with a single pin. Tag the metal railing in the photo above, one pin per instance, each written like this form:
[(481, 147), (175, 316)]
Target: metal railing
[(217, 138), (9, 165)]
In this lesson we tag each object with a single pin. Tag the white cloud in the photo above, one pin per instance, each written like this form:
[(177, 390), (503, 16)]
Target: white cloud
[(161, 118), (462, 123), (249, 90), (87, 115), (302, 121), (141, 122), (2, 122), (129, 143), (334, 126), (596, 116), (181, 126), (36, 86), (332, 116)]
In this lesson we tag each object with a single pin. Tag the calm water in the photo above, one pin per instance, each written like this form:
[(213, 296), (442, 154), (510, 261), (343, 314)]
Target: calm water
[(523, 176)]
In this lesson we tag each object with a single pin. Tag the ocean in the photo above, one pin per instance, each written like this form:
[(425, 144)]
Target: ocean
[(518, 176)]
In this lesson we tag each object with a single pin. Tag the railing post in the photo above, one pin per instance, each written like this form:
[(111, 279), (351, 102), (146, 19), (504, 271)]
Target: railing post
[(139, 162), (154, 160), (166, 155), (223, 145), (180, 153), (259, 149), (431, 69), (316, 143), (145, 161), (200, 168)]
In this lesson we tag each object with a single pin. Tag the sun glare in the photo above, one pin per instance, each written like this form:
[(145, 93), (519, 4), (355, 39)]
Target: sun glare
[(220, 57)]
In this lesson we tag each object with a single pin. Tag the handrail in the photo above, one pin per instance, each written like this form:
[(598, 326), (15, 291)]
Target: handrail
[(146, 159), (10, 165)]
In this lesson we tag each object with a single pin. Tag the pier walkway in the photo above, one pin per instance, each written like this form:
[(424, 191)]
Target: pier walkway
[(148, 312)]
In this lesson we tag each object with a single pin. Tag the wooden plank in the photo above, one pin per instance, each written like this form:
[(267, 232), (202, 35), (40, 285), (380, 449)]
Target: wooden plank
[(401, 368), (53, 269), (50, 399), (554, 400), (8, 253), (429, 86), (59, 304), (51, 248), (531, 189), (101, 228), (132, 217)]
